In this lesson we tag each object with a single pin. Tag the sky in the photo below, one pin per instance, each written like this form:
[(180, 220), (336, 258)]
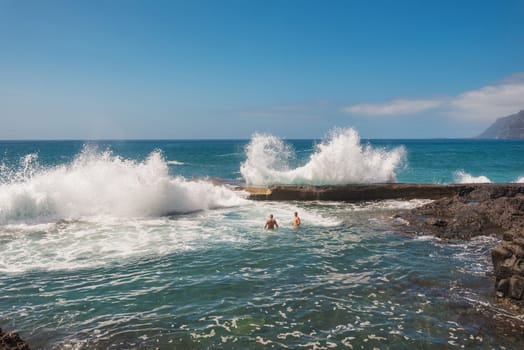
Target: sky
[(221, 69)]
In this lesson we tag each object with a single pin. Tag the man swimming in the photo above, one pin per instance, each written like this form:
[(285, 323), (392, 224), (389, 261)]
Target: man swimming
[(296, 220), (271, 223)]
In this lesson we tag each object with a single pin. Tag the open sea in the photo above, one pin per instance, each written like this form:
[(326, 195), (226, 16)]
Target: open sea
[(131, 245)]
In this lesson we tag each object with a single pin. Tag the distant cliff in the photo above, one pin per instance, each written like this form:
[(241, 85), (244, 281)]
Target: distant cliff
[(510, 127)]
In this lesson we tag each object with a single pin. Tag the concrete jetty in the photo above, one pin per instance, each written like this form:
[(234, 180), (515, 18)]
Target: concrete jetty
[(357, 192)]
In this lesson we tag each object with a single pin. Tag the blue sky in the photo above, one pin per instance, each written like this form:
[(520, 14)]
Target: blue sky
[(130, 69)]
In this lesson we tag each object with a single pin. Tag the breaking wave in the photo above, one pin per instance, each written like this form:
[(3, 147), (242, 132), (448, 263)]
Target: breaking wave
[(462, 177), (340, 159), (102, 184)]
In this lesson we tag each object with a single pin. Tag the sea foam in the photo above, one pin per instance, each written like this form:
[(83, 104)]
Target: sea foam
[(462, 177), (339, 159), (102, 184)]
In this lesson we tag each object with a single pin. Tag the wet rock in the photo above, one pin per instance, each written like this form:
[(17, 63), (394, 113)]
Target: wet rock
[(12, 341), (353, 192), (501, 287), (476, 210), (437, 222), (516, 287), (498, 256)]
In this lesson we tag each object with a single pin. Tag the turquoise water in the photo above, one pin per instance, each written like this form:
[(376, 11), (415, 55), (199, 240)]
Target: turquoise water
[(427, 161), (108, 245)]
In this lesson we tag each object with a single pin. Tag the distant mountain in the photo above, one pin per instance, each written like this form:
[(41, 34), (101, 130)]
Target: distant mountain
[(510, 127)]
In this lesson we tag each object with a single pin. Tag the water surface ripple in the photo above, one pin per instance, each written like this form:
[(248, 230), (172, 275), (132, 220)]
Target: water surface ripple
[(216, 279)]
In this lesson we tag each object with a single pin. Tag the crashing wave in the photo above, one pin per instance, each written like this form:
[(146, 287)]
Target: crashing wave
[(100, 183), (340, 159), (462, 177)]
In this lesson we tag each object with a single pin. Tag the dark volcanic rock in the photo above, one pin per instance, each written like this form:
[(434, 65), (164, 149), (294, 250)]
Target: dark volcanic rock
[(12, 341), (508, 263), (485, 210)]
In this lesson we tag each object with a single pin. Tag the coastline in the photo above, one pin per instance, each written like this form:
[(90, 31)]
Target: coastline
[(458, 212)]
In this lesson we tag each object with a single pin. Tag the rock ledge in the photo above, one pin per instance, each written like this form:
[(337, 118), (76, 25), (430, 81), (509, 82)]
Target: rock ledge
[(485, 210)]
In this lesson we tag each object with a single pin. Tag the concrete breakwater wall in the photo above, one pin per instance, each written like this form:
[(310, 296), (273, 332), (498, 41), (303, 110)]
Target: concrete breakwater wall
[(355, 192)]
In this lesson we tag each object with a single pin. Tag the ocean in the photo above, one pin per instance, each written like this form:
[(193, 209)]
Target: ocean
[(131, 245)]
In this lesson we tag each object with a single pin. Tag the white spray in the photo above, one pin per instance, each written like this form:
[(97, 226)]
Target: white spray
[(102, 184), (462, 177), (340, 159)]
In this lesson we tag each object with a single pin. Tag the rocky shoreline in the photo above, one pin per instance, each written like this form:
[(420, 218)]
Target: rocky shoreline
[(482, 210), (460, 211)]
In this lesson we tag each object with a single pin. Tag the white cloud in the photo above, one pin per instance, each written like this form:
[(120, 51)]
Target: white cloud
[(394, 107), (489, 102), (484, 104)]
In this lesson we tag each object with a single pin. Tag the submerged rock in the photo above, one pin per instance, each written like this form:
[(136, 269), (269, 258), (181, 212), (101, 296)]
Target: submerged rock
[(12, 341)]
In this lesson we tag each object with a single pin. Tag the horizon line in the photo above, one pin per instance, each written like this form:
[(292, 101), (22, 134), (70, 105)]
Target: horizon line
[(241, 139)]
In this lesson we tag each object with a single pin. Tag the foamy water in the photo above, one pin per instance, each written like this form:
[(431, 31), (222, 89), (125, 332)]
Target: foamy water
[(215, 278), (101, 240), (102, 184), (114, 249), (340, 159), (462, 177)]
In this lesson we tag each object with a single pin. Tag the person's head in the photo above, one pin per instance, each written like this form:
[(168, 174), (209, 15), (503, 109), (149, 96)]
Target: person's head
[(296, 214), (271, 216)]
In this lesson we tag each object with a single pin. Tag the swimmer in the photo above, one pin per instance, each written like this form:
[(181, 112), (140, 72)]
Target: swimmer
[(271, 223), (296, 220)]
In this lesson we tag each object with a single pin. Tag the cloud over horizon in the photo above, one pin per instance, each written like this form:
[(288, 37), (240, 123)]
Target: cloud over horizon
[(483, 104), (394, 107)]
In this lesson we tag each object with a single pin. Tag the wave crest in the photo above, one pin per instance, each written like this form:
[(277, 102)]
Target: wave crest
[(340, 159), (102, 184), (462, 177)]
